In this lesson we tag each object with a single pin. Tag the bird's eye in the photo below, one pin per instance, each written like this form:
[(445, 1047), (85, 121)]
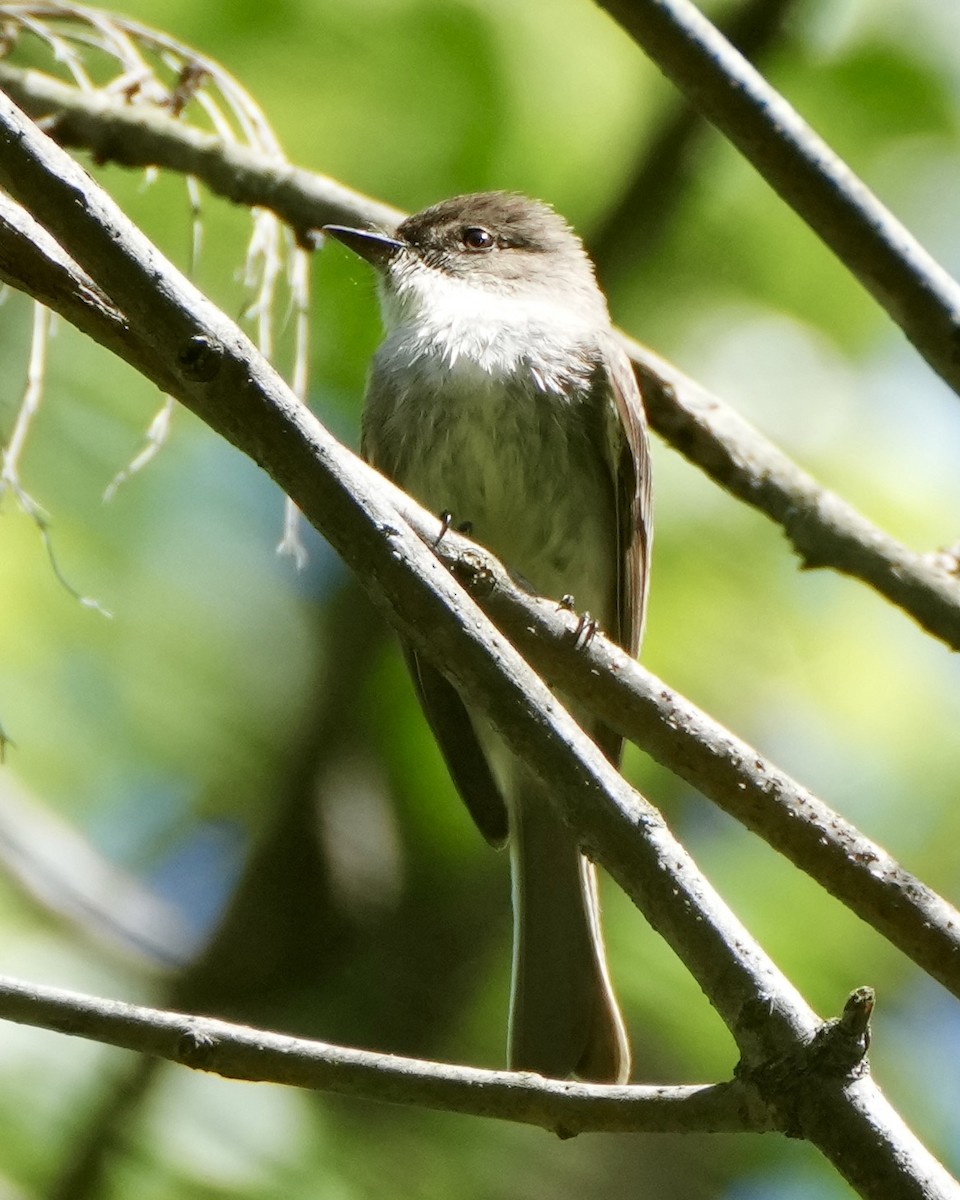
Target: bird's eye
[(477, 239)]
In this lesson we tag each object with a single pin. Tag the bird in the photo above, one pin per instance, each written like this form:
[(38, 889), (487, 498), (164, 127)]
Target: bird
[(501, 395)]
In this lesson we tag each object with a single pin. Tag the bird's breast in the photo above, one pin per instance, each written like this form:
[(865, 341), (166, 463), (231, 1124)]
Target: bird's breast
[(505, 443)]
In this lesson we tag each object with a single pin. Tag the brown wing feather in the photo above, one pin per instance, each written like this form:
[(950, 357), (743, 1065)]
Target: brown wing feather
[(627, 451), (455, 735), (631, 475)]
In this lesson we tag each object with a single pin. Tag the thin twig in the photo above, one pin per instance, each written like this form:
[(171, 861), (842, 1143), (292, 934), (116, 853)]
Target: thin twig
[(30, 402), (10, 456), (156, 438), (291, 544)]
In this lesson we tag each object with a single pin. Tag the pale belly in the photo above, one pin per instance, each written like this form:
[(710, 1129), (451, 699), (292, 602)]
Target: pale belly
[(519, 466)]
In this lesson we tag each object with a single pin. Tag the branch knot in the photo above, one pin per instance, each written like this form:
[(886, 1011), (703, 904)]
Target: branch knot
[(789, 1084), (200, 359)]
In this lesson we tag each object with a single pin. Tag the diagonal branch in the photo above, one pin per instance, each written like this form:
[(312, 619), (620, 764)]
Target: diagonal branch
[(826, 530), (32, 261), (917, 293)]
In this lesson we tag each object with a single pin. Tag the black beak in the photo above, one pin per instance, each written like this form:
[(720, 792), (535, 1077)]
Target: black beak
[(376, 248)]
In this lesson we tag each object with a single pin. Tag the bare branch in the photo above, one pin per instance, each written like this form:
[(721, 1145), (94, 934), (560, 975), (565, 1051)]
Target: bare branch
[(825, 1075), (34, 262), (239, 1052), (917, 293)]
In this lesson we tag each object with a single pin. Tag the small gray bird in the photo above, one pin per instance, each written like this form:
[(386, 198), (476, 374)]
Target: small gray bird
[(501, 395)]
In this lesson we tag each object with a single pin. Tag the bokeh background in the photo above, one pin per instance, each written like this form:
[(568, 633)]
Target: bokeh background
[(224, 798)]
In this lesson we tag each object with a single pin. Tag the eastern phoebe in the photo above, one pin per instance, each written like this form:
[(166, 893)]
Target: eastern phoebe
[(501, 395)]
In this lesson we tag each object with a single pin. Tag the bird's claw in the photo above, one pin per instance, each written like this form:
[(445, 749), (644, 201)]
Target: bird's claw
[(586, 628), (585, 632), (446, 524), (446, 520)]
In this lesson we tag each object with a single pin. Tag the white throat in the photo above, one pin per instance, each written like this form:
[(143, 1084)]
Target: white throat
[(437, 322)]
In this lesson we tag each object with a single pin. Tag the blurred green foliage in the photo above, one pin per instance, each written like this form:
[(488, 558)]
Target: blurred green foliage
[(230, 701)]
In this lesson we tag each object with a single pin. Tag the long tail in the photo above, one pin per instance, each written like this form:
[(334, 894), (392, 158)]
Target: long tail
[(564, 1018)]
